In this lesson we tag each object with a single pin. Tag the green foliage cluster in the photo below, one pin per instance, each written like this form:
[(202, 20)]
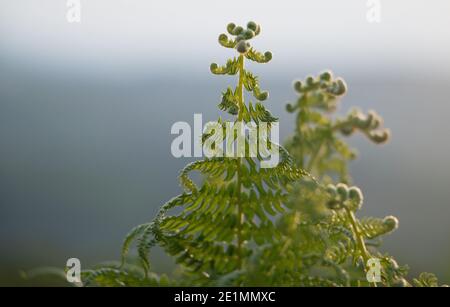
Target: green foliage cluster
[(246, 225)]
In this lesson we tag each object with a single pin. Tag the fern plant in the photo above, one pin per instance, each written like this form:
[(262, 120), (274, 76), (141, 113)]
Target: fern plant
[(220, 221), (247, 225), (317, 144), (323, 241)]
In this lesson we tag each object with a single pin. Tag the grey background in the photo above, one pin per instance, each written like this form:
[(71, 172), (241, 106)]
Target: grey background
[(86, 111)]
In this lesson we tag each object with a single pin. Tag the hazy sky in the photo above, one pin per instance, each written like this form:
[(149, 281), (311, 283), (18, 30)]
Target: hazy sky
[(411, 34)]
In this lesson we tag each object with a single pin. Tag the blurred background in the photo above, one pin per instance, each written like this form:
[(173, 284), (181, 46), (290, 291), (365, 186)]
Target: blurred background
[(86, 110)]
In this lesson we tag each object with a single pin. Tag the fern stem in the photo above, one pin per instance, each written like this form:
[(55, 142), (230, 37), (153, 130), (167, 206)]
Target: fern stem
[(240, 87), (360, 244), (239, 162), (313, 157)]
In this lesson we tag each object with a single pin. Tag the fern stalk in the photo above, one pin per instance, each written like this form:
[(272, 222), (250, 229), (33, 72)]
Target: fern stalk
[(245, 225)]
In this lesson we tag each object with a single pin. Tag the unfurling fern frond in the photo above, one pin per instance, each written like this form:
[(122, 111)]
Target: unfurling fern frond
[(368, 124), (258, 57), (328, 215), (317, 144), (219, 221), (230, 68), (246, 224), (373, 227)]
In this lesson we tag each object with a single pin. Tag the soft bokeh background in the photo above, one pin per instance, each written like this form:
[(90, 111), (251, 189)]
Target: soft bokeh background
[(86, 111)]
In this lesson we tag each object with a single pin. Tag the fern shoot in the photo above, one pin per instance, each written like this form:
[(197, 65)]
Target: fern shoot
[(245, 224), (232, 209), (322, 224)]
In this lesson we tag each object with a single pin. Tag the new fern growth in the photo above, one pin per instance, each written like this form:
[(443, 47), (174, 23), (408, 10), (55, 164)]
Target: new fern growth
[(244, 224), (220, 221), (322, 226)]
